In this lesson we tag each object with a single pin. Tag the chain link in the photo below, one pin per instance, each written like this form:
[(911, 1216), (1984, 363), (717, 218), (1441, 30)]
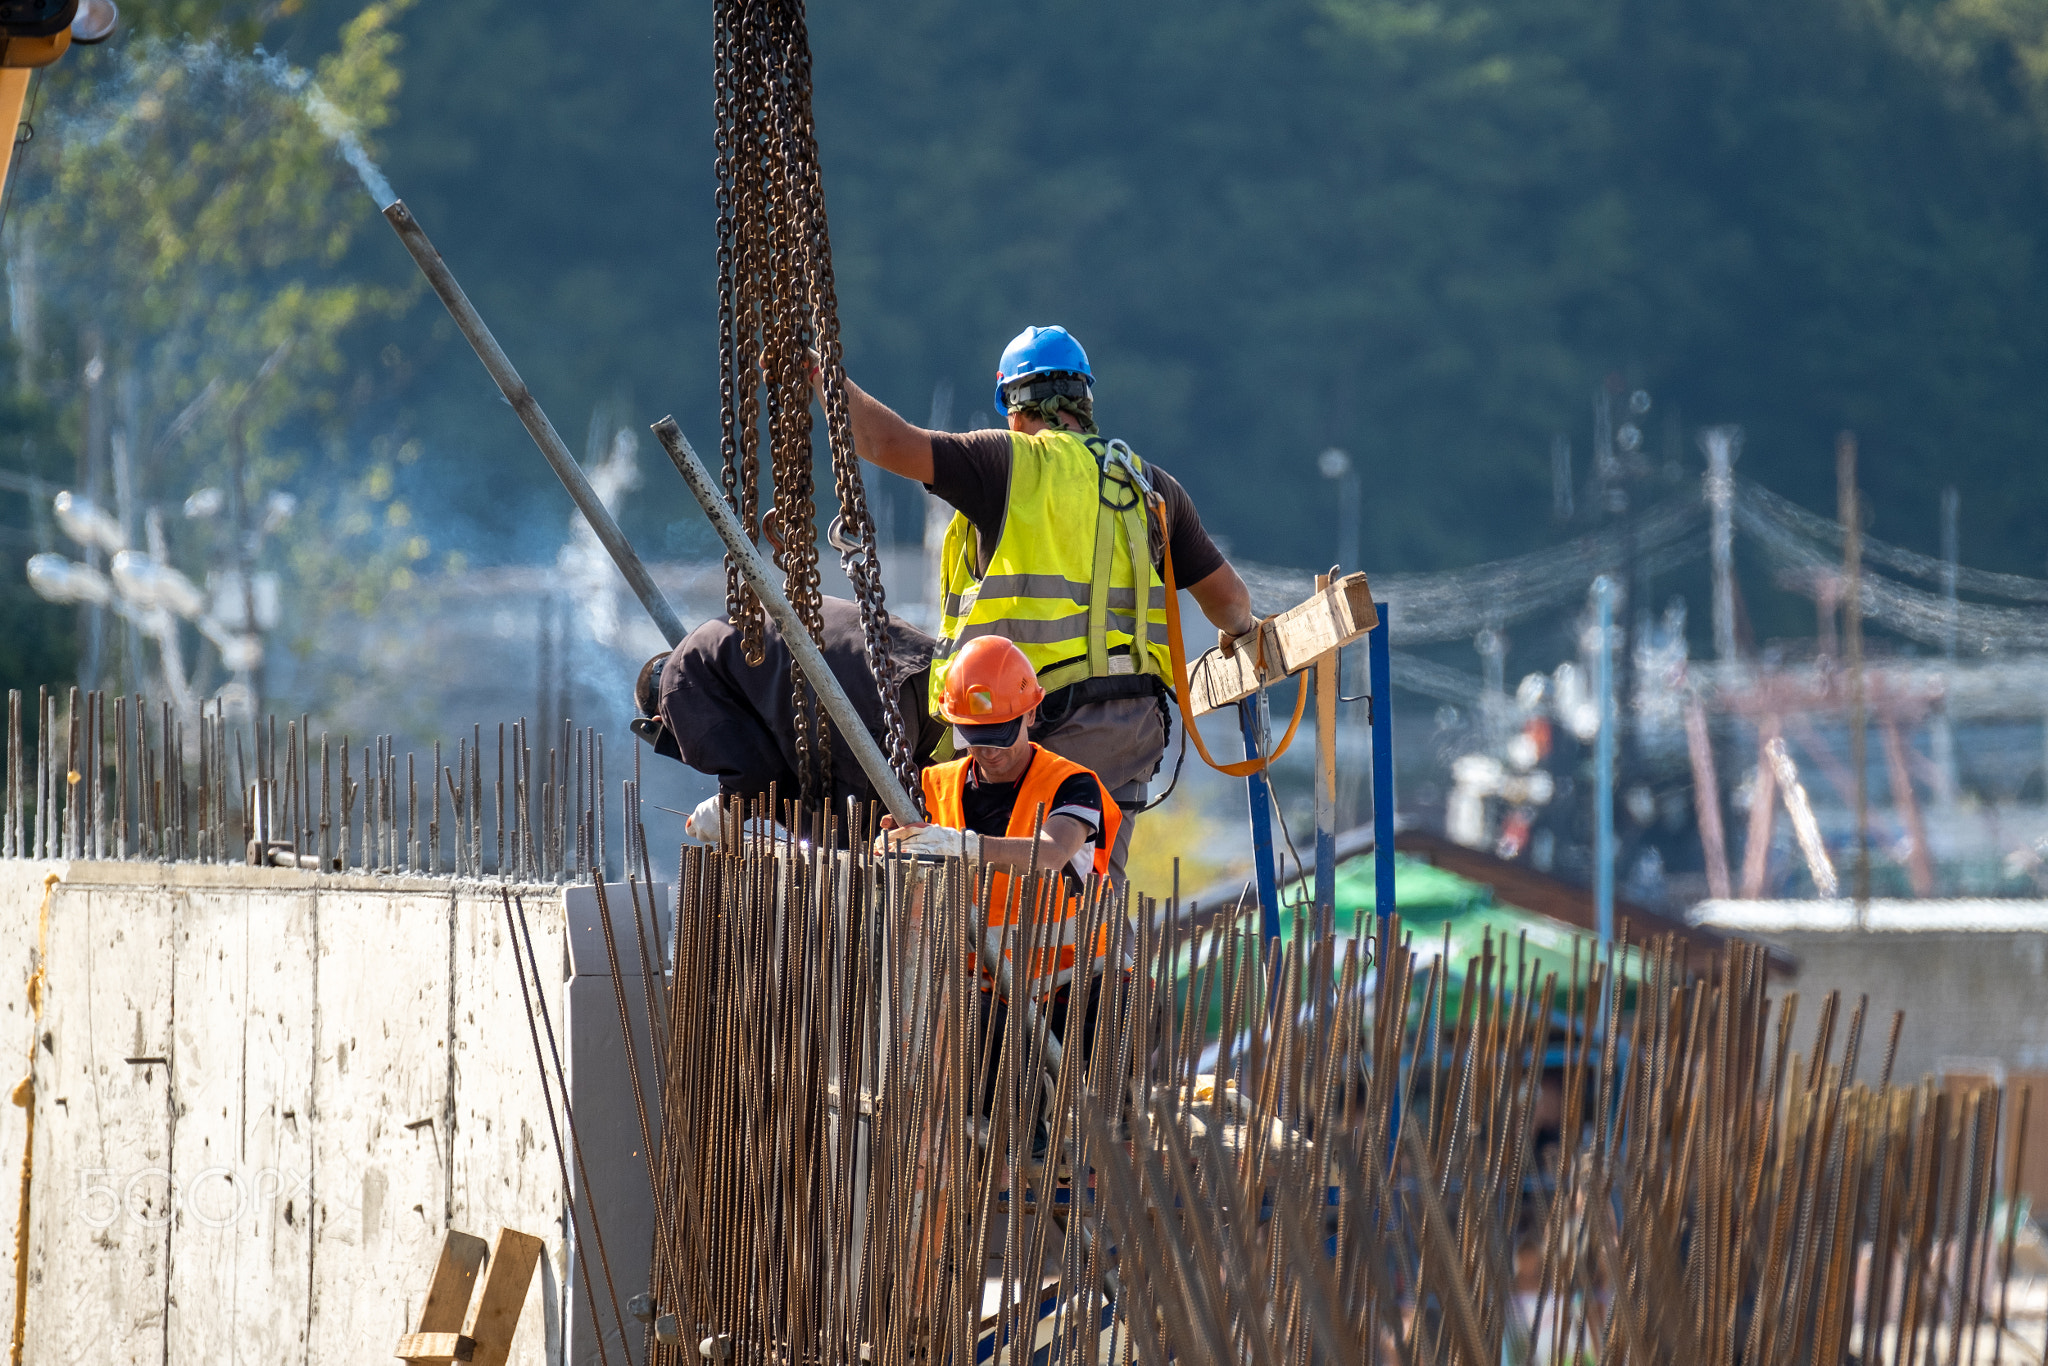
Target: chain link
[(777, 304)]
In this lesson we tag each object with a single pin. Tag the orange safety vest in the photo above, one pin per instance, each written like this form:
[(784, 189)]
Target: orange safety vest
[(945, 786)]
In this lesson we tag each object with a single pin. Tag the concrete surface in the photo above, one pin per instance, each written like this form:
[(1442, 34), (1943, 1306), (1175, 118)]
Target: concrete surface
[(261, 1097), (1971, 975)]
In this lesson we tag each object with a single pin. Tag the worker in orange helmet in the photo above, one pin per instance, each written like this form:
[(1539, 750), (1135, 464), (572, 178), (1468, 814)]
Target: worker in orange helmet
[(1010, 803)]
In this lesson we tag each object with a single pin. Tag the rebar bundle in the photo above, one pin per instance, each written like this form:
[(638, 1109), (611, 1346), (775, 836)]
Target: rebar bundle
[(88, 776), (1348, 1150)]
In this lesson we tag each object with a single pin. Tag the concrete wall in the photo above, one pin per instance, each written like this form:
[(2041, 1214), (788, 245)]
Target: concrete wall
[(1976, 995), (261, 1098), (1971, 975)]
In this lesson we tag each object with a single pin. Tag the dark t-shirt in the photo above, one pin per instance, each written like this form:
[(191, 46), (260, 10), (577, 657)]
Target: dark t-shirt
[(971, 471), (985, 807)]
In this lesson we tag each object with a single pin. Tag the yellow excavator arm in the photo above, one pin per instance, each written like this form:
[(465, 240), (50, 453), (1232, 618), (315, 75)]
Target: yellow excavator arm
[(35, 33)]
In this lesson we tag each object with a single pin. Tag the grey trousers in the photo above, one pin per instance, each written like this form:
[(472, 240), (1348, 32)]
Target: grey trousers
[(1122, 740)]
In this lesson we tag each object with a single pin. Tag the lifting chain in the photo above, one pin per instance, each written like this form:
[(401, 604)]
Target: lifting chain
[(776, 306)]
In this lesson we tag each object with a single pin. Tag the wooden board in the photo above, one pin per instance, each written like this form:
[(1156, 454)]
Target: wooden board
[(507, 1173), (499, 1305), (381, 1078), (454, 1283), (435, 1349), (241, 1081), (1294, 640), (99, 1245)]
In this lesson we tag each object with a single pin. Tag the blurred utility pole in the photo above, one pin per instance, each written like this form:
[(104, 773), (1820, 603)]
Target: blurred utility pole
[(1850, 511), (1943, 735), (1336, 465), (90, 443), (1722, 445)]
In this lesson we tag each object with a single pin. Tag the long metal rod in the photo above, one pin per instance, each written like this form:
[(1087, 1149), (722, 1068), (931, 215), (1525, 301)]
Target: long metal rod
[(1380, 668), (1603, 768), (1326, 675), (1261, 797), (808, 657), (536, 422), (837, 705)]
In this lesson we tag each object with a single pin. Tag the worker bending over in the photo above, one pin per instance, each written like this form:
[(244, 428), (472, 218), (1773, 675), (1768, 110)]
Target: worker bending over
[(704, 704), (1011, 803), (1057, 545)]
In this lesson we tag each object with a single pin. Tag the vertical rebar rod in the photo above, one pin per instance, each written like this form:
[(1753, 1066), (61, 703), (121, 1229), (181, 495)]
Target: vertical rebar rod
[(412, 814), (326, 802), (517, 831), (434, 820), (501, 870), (71, 738), (302, 840), (208, 852), (13, 835), (476, 800), (96, 717), (342, 855)]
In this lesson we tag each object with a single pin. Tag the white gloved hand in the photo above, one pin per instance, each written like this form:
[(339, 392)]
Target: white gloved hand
[(931, 841), (703, 823)]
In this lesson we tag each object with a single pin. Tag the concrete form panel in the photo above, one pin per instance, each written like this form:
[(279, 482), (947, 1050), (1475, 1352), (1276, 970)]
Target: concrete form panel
[(381, 1146), (242, 1064), (100, 1230), (21, 896), (506, 1170)]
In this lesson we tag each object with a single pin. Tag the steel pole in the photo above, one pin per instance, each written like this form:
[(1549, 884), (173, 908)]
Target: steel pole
[(1261, 794), (1325, 672), (1379, 664), (794, 633), (536, 422), (1603, 767), (819, 675)]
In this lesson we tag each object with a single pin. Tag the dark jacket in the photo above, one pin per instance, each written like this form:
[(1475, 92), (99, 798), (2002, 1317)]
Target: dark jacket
[(737, 721)]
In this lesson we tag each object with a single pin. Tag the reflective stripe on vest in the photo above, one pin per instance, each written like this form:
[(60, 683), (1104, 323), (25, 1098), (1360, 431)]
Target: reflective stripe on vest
[(945, 787), (1062, 580)]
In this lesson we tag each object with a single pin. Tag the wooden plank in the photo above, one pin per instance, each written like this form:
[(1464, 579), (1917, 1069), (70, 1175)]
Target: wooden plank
[(513, 1258), (1294, 640), (437, 1348), (507, 1173), (99, 1243), (448, 1294), (241, 1084), (381, 1077)]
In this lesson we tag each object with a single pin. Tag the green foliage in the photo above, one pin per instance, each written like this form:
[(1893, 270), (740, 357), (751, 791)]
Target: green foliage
[(1424, 230), (184, 218)]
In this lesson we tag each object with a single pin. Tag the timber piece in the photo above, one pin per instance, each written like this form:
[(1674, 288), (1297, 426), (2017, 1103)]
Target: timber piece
[(437, 1349), (1294, 640), (448, 1294), (513, 1258)]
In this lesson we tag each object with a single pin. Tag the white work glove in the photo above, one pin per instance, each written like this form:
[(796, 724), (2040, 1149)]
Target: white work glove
[(932, 841), (703, 823), (1228, 644)]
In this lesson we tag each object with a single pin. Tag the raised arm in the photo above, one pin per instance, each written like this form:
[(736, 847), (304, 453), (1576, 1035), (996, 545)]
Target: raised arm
[(882, 438), (1226, 602)]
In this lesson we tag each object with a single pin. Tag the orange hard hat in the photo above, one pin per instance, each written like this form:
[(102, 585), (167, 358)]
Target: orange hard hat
[(990, 682)]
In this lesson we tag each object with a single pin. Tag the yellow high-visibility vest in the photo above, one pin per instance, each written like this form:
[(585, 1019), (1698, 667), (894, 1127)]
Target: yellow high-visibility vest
[(1066, 575)]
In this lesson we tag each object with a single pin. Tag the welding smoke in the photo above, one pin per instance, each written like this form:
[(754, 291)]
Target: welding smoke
[(337, 126)]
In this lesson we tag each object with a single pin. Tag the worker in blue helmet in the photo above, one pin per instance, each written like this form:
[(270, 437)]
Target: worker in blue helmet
[(1059, 542)]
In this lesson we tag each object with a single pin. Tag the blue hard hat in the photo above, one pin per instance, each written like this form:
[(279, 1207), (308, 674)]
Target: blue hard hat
[(1039, 351)]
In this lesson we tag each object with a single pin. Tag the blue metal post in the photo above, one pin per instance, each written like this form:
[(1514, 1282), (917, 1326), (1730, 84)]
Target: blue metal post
[(1379, 665), (1603, 767), (1248, 719)]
